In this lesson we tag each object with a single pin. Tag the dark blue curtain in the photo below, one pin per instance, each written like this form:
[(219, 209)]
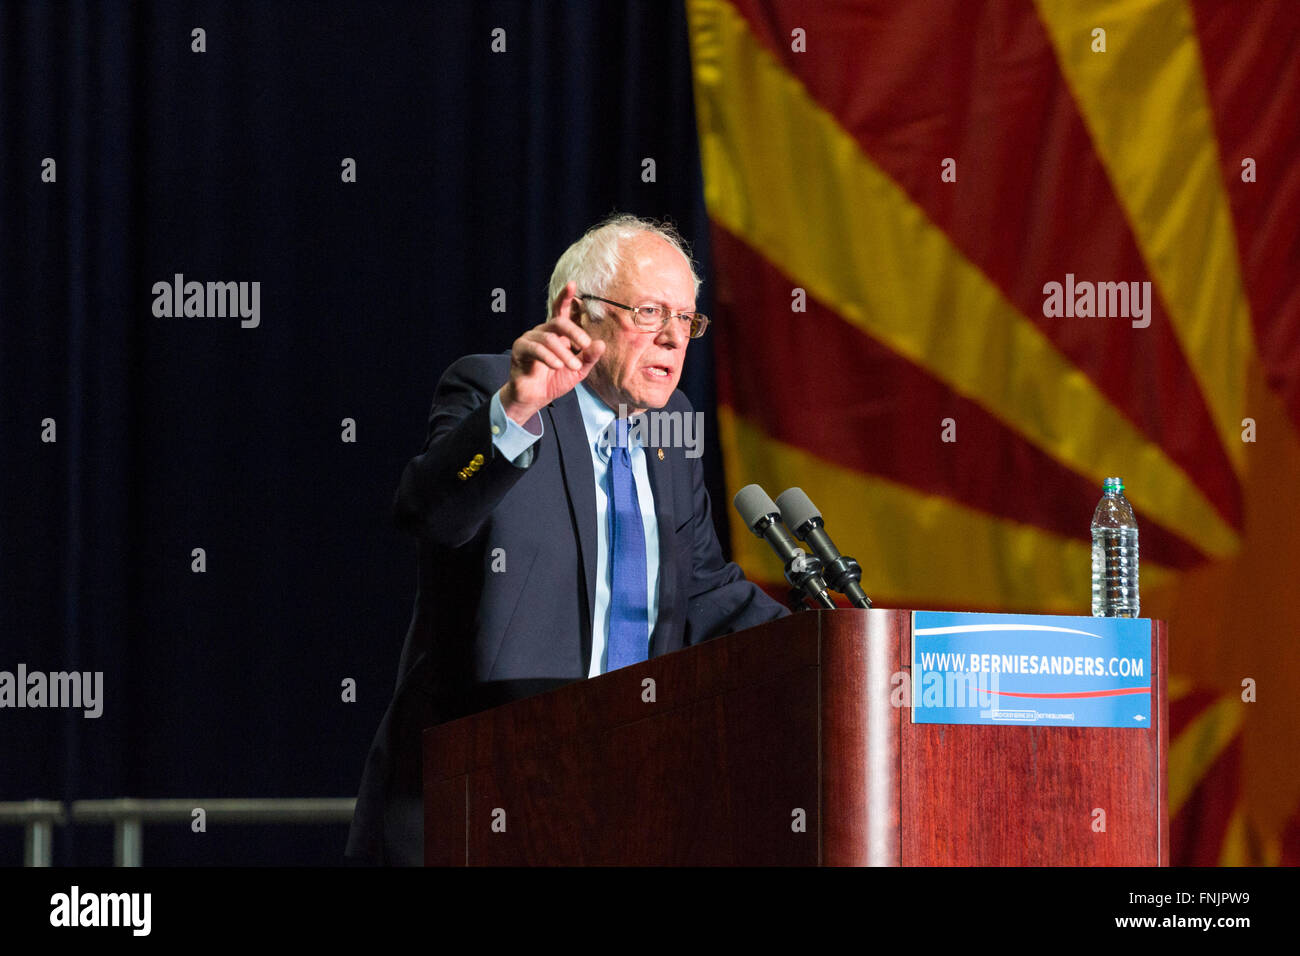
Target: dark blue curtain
[(475, 169)]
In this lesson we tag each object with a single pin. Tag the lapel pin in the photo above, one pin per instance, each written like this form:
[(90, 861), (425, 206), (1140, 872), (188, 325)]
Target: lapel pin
[(661, 454)]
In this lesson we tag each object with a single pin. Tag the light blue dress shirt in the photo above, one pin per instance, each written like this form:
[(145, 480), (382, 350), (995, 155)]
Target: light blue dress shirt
[(513, 440), (516, 444)]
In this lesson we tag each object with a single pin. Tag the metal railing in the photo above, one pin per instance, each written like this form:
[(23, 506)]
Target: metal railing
[(38, 817), (128, 816)]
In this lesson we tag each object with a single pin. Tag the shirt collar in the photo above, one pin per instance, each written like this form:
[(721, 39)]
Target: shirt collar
[(598, 419)]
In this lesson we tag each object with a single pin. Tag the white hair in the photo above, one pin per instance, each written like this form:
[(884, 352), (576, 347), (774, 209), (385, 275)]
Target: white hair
[(594, 260)]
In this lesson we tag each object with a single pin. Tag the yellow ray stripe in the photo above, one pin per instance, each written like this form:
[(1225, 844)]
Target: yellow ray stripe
[(1145, 104), (1178, 685), (1245, 845), (782, 174), (1236, 850), (1194, 750), (1270, 853), (914, 548)]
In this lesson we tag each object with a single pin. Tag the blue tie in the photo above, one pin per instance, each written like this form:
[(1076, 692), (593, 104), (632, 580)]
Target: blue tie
[(629, 613)]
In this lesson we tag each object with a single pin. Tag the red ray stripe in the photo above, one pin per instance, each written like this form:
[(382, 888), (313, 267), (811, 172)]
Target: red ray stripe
[(814, 381), (1196, 832), (916, 82), (1291, 842), (1186, 709), (1249, 52)]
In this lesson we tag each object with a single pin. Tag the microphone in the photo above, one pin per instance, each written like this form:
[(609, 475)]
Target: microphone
[(805, 521), (762, 517)]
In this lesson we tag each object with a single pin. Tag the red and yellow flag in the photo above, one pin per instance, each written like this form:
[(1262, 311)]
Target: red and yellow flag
[(891, 188)]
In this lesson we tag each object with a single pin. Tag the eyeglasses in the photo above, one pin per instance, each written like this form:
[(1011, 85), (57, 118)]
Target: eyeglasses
[(652, 318)]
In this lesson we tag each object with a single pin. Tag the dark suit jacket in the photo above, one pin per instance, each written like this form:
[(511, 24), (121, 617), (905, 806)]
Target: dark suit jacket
[(480, 637)]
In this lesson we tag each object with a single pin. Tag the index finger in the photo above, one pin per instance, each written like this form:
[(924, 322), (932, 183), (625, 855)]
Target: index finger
[(567, 327), (563, 302)]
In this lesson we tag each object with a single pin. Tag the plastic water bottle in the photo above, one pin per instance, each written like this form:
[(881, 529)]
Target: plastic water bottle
[(1114, 554)]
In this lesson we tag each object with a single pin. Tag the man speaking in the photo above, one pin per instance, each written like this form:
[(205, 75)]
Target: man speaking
[(556, 542)]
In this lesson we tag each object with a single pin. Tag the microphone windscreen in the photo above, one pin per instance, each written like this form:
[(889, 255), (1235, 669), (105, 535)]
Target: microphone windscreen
[(754, 504), (796, 509)]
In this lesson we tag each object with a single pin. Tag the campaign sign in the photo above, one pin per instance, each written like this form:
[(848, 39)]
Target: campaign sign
[(1030, 669)]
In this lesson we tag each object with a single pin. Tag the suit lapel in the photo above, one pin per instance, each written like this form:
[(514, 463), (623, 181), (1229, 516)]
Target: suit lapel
[(580, 482), (661, 484)]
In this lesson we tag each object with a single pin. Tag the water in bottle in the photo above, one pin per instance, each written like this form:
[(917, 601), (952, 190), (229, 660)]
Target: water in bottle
[(1114, 554)]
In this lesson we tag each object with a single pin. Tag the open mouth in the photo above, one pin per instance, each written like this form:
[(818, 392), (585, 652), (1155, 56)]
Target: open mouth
[(658, 371)]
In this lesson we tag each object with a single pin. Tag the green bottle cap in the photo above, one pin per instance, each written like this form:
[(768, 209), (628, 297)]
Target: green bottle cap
[(1113, 485)]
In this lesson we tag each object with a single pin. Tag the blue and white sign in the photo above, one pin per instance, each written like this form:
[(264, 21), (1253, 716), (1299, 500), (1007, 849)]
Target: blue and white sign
[(1030, 669)]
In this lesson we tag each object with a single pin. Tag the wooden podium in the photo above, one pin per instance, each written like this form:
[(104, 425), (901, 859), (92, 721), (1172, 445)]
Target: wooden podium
[(780, 746)]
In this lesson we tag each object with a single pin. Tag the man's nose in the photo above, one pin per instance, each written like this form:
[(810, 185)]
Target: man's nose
[(675, 334)]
